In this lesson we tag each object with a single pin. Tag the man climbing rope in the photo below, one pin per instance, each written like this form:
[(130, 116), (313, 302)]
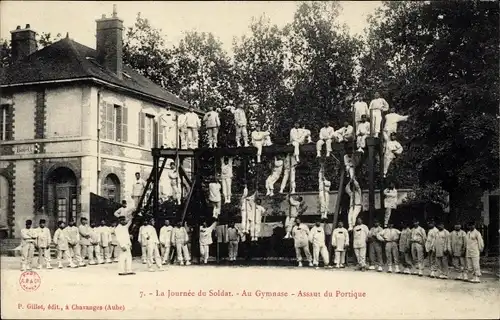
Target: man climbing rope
[(275, 175), (392, 150)]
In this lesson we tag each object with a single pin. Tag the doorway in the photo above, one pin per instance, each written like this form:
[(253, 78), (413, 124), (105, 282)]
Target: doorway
[(62, 196)]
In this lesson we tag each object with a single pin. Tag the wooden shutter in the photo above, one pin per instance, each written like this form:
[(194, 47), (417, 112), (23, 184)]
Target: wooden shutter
[(109, 130), (124, 124), (142, 119), (160, 132), (118, 123)]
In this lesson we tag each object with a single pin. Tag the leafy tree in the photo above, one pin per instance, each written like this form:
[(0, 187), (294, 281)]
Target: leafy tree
[(443, 61)]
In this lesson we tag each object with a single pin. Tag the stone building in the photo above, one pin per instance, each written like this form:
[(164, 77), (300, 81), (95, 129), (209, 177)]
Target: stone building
[(73, 121)]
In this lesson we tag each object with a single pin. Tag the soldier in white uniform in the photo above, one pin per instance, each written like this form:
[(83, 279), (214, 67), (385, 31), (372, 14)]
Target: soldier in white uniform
[(206, 240), (289, 165), (212, 124), (457, 240), (240, 120), (390, 202), (28, 241), (390, 236), (215, 197), (114, 250), (138, 189), (226, 177), (430, 248), (275, 175), (344, 134), (295, 202), (474, 245), (375, 248), (362, 131), (169, 125), (360, 109), (360, 238), (354, 191), (317, 238), (349, 164), (61, 240), (43, 242), (84, 230), (259, 139), (151, 238), (95, 246), (247, 208), (391, 122), (255, 220), (324, 196), (442, 246), (104, 240), (180, 239), (418, 241), (296, 139), (392, 150), (340, 242), (173, 176), (74, 243), (183, 130), (193, 124), (166, 241), (300, 235), (123, 238), (233, 236), (326, 135), (377, 106)]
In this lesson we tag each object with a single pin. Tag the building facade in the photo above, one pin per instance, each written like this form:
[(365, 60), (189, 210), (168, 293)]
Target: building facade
[(74, 121)]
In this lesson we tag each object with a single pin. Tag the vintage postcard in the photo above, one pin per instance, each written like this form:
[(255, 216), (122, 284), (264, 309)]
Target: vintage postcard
[(249, 160)]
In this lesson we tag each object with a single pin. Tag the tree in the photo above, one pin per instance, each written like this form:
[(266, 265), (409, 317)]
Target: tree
[(144, 50), (259, 61), (203, 70), (448, 84)]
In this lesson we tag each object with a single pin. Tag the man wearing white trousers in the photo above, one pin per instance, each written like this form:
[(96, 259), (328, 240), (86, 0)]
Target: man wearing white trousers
[(43, 242), (169, 125), (226, 177), (296, 136), (317, 238), (391, 122), (240, 120), (474, 245), (340, 242), (390, 202), (206, 240), (180, 240), (123, 238), (390, 236), (377, 106), (166, 241), (255, 220), (354, 191), (259, 138), (324, 197), (193, 124), (212, 124), (289, 165), (275, 175), (393, 149), (183, 130), (214, 196), (151, 238), (360, 238), (300, 235), (85, 231), (326, 135), (360, 109), (362, 132), (105, 239), (345, 133)]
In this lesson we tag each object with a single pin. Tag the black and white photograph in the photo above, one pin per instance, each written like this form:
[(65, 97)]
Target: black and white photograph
[(249, 159)]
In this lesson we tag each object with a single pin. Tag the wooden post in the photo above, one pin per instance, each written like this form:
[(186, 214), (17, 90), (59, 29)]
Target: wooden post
[(336, 209), (155, 186), (371, 142)]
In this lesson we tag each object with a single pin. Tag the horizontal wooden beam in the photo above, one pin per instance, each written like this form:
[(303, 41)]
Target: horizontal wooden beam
[(244, 151)]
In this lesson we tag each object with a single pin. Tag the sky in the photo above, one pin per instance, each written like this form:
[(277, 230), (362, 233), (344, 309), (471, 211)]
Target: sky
[(224, 19)]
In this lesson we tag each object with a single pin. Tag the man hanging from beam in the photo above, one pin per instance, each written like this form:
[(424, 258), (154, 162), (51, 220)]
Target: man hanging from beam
[(275, 175)]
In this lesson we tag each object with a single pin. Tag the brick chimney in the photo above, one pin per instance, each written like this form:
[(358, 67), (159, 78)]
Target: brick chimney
[(110, 43), (23, 42)]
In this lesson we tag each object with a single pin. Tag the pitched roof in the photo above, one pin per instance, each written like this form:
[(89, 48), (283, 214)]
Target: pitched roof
[(70, 60)]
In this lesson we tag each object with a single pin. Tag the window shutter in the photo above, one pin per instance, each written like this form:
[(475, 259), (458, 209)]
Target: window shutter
[(124, 124), (160, 133), (142, 118), (118, 124), (109, 121)]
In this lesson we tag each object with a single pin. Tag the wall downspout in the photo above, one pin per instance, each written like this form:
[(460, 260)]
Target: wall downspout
[(98, 190)]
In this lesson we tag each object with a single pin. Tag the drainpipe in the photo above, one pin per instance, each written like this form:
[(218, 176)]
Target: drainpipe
[(98, 190)]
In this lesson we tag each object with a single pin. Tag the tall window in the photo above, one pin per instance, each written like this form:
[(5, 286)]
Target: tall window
[(148, 136), (115, 122), (5, 128), (62, 209), (4, 201)]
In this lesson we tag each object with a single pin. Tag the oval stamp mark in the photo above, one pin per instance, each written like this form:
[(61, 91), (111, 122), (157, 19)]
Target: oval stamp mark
[(30, 281)]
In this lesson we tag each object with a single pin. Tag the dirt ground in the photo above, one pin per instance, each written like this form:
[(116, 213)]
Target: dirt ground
[(222, 292)]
